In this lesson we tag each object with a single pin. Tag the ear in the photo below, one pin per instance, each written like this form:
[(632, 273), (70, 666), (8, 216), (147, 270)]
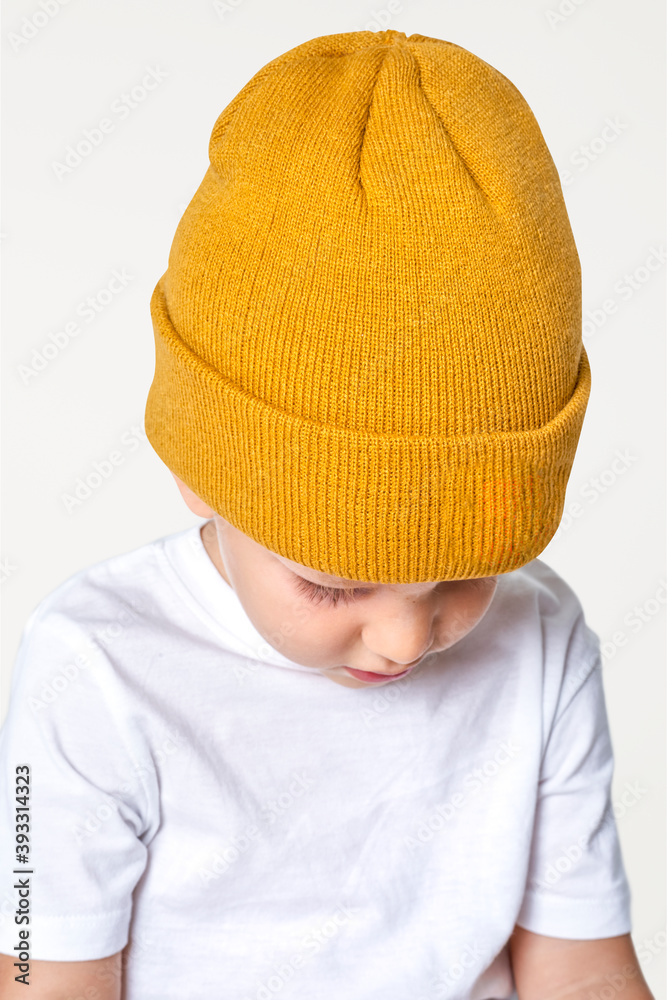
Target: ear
[(196, 505)]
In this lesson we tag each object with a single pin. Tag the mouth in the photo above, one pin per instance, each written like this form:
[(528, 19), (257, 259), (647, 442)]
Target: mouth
[(367, 675)]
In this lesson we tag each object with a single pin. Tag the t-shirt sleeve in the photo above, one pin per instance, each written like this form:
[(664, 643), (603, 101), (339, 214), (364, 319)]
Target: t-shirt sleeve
[(88, 805), (577, 885)]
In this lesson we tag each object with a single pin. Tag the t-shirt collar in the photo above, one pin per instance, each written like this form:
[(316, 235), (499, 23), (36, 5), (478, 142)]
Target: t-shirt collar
[(196, 571)]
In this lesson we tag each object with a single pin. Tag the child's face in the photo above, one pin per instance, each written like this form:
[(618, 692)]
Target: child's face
[(384, 629)]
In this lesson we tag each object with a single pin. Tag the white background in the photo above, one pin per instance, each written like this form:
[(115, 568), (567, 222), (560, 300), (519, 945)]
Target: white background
[(118, 209)]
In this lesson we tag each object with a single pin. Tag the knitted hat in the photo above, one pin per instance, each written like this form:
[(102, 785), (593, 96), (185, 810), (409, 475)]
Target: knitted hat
[(368, 338)]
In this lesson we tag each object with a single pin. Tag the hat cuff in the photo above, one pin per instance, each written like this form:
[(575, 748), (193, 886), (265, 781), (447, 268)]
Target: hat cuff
[(363, 506)]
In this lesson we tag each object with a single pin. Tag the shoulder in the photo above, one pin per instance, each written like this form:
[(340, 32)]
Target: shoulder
[(537, 595), (552, 595), (90, 615), (546, 637), (115, 588)]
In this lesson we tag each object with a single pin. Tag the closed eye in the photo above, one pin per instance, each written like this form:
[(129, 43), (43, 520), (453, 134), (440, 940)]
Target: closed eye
[(317, 594)]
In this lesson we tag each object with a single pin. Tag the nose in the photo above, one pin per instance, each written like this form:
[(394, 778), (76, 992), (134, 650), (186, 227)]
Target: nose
[(396, 665), (406, 666), (400, 641)]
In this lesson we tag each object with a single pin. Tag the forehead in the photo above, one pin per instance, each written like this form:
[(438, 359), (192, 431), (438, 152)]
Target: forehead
[(327, 580), (318, 577)]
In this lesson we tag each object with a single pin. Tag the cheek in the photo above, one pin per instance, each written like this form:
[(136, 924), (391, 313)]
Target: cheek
[(289, 614), (315, 630), (469, 608), (481, 599), (278, 618)]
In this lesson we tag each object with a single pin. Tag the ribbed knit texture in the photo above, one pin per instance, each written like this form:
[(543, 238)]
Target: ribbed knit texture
[(368, 338)]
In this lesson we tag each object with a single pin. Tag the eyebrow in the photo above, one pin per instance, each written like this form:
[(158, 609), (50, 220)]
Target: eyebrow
[(341, 583), (350, 585), (338, 582)]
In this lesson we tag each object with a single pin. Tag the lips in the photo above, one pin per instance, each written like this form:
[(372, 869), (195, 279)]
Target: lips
[(366, 675)]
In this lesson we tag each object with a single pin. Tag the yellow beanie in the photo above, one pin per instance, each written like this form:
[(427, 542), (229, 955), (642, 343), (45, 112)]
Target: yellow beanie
[(368, 337)]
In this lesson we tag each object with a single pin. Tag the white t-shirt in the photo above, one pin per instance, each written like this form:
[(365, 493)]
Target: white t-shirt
[(258, 831)]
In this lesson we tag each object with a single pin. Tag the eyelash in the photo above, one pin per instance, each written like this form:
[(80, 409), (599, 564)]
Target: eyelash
[(318, 594)]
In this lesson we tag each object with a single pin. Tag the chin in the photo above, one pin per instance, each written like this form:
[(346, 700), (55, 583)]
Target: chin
[(344, 680)]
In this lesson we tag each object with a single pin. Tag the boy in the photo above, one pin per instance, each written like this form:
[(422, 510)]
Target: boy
[(370, 380)]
